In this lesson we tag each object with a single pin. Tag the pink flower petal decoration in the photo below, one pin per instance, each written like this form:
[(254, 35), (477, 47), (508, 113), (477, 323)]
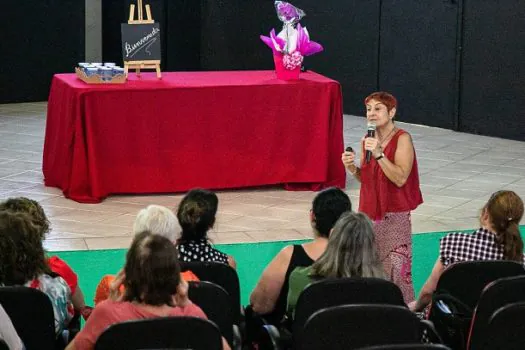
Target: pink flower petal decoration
[(304, 45), (278, 41), (274, 42)]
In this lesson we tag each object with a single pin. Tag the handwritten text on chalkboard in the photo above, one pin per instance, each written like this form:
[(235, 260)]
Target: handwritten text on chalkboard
[(140, 42)]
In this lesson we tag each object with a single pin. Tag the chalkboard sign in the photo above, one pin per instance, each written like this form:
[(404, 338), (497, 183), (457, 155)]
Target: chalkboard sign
[(140, 42)]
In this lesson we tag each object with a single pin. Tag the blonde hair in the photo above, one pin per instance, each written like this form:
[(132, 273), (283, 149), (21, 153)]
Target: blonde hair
[(158, 220), (351, 250)]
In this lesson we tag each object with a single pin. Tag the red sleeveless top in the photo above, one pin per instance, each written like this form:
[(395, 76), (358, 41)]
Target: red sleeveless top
[(379, 195)]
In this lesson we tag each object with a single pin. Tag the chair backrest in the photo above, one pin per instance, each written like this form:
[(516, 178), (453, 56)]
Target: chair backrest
[(222, 275), (333, 292), (161, 333), (507, 328), (408, 347), (496, 295), (466, 280), (32, 315), (356, 326), (216, 304)]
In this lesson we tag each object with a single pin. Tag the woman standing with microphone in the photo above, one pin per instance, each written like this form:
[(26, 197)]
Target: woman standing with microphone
[(389, 188)]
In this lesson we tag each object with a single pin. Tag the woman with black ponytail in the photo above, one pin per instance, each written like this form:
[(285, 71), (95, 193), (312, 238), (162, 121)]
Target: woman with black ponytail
[(196, 214), (498, 238)]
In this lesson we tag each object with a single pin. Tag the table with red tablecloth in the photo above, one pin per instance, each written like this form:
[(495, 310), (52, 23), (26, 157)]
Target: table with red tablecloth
[(213, 130)]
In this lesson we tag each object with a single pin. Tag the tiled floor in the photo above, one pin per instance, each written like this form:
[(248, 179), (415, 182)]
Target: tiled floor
[(458, 173)]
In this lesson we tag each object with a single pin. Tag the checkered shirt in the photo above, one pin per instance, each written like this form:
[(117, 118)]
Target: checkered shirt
[(480, 245)]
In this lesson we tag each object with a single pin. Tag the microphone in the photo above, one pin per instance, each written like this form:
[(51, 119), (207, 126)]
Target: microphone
[(371, 132)]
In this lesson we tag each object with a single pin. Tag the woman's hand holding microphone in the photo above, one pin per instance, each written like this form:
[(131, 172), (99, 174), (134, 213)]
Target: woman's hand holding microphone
[(373, 145)]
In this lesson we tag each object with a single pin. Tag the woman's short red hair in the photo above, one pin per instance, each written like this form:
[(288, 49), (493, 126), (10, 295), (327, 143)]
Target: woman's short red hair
[(384, 97)]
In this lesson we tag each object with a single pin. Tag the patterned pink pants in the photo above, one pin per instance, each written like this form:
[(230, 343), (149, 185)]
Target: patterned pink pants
[(394, 245)]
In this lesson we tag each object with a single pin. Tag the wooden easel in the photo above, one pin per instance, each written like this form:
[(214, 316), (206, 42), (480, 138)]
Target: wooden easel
[(138, 65)]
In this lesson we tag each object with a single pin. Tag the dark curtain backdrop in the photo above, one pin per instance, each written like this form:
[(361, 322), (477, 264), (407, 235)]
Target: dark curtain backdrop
[(184, 33), (37, 40), (418, 59), (493, 69)]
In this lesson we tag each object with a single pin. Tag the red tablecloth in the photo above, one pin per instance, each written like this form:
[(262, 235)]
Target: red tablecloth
[(213, 130)]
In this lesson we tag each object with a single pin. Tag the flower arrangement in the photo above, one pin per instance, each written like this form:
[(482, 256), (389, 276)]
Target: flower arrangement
[(292, 44)]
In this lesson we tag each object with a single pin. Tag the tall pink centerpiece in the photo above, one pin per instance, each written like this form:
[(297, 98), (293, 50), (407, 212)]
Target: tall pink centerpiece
[(292, 44)]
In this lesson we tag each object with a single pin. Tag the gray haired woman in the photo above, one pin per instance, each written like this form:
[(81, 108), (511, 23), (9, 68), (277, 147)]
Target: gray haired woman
[(157, 219), (351, 252)]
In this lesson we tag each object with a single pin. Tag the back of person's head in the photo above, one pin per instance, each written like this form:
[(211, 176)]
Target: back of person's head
[(22, 256), (31, 207), (351, 250), (196, 214), (505, 210), (384, 97), (152, 270), (158, 220), (327, 207)]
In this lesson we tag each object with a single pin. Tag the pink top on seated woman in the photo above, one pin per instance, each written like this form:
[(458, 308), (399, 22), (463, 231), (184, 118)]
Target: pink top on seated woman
[(498, 238), (153, 288), (389, 188)]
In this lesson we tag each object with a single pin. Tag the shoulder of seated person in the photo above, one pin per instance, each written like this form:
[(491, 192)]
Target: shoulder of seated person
[(287, 251), (190, 307), (108, 307), (452, 235), (109, 304)]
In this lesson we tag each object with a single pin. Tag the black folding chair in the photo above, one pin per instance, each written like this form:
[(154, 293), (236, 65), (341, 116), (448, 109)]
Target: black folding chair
[(408, 347), (333, 292), (355, 326), (161, 333), (496, 295), (457, 293), (506, 330), (222, 275), (31, 312), (216, 304)]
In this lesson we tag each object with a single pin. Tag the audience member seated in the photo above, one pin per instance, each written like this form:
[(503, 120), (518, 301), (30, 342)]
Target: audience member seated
[(158, 220), (153, 288), (57, 265), (269, 296), (498, 239), (8, 332), (23, 263), (351, 252), (196, 215)]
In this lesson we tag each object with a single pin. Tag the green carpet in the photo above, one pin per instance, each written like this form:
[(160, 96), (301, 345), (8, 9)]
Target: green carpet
[(251, 259)]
